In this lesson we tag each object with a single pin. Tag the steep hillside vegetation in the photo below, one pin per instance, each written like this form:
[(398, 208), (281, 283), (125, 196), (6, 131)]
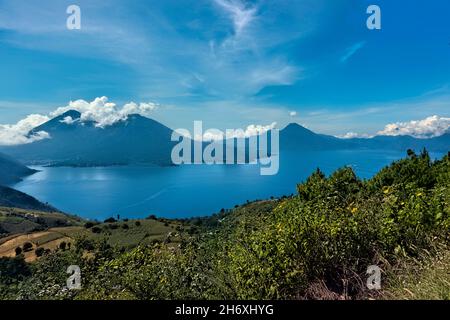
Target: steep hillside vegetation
[(15, 199), (12, 171), (17, 221)]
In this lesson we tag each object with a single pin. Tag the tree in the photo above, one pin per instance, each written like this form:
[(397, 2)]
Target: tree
[(411, 153), (88, 225), (113, 226), (27, 246), (63, 245), (13, 269), (96, 229), (39, 252), (137, 223), (18, 251), (83, 243)]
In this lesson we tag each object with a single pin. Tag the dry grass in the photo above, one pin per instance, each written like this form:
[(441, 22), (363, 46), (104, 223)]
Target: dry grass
[(426, 278), (46, 239)]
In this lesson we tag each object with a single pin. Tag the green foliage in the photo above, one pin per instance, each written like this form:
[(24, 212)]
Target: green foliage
[(337, 226), (96, 229), (13, 270), (39, 251), (18, 251), (27, 246), (63, 245), (151, 272), (89, 225)]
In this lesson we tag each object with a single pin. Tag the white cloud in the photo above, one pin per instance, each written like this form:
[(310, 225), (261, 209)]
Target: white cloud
[(68, 120), (278, 74), (430, 127), (352, 135), (245, 55), (13, 134), (104, 113), (239, 13), (101, 111), (142, 108), (293, 113), (251, 130)]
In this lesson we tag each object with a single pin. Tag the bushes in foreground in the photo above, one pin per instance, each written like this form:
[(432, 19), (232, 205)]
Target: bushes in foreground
[(336, 227)]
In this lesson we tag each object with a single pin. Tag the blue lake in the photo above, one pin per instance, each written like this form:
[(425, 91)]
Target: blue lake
[(185, 191)]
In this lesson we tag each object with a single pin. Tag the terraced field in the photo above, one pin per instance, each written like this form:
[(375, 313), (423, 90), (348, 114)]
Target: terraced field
[(50, 239), (33, 227)]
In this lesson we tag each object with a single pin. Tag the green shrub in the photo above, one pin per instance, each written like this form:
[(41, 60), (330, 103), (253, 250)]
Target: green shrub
[(18, 251), (89, 225), (96, 229), (338, 226), (39, 252), (27, 246)]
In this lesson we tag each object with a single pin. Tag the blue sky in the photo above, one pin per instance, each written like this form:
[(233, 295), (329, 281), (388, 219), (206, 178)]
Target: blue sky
[(231, 63)]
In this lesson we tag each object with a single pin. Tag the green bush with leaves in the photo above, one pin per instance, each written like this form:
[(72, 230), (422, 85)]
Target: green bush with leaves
[(338, 226)]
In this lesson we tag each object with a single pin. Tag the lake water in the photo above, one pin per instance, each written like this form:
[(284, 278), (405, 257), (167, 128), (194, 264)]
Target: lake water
[(185, 191)]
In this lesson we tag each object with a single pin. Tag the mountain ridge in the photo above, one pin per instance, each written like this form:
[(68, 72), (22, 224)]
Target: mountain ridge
[(12, 171), (136, 139), (140, 140), (12, 198)]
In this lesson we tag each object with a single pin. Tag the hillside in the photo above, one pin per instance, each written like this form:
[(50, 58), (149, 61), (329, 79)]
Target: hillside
[(294, 136), (439, 144), (53, 231), (12, 171), (15, 199), (17, 221)]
